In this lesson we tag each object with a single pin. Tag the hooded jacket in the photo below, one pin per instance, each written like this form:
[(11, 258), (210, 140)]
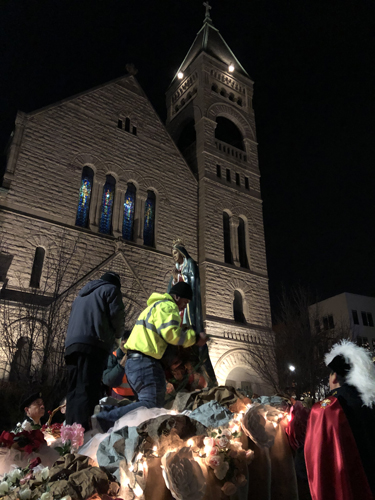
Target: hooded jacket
[(157, 326), (97, 316)]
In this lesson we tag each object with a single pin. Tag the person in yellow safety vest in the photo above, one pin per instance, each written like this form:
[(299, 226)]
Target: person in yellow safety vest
[(156, 327), (114, 375)]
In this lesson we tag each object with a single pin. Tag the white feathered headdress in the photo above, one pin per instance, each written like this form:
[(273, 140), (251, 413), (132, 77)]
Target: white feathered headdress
[(361, 373)]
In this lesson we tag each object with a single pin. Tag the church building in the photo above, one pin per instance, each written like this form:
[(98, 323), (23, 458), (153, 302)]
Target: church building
[(97, 182)]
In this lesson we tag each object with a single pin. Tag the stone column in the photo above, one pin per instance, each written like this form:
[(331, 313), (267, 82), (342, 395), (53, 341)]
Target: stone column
[(234, 223), (116, 214), (98, 203), (93, 204)]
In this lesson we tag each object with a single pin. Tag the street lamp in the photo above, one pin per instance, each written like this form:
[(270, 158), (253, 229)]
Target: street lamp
[(292, 368)]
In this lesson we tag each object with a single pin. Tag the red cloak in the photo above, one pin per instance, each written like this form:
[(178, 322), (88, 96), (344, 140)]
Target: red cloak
[(333, 462)]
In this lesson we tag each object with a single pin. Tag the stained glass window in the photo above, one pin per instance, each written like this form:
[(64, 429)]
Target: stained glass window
[(83, 210), (129, 206), (149, 227), (107, 205)]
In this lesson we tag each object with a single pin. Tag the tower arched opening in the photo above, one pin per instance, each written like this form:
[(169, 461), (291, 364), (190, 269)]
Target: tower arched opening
[(226, 131)]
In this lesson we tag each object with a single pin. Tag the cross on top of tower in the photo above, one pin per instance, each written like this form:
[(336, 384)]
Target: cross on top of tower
[(208, 8)]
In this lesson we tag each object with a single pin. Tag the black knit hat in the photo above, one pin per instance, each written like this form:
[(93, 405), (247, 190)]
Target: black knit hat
[(111, 277), (27, 399), (182, 289), (339, 365)]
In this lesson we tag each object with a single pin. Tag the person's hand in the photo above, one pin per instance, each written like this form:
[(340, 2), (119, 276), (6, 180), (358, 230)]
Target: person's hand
[(123, 361), (202, 339)]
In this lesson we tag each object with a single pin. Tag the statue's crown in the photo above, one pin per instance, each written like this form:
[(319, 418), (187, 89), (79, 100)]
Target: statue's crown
[(179, 242)]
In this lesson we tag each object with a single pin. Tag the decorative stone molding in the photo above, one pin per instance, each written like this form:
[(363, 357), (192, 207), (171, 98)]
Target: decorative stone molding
[(235, 358), (227, 110)]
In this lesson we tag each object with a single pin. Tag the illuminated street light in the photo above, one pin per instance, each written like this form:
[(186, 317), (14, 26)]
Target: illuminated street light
[(180, 75), (292, 368)]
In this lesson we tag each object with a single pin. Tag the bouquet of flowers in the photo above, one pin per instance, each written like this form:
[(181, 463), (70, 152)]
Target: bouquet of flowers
[(24, 440), (17, 478), (72, 438), (53, 430), (224, 455)]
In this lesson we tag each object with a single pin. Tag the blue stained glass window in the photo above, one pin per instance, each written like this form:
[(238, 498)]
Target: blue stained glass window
[(149, 227), (107, 205), (129, 206), (83, 209)]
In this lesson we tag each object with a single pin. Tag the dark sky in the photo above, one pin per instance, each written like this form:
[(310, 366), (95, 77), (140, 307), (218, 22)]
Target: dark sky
[(313, 63)]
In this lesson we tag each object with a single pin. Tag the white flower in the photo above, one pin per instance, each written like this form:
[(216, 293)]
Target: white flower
[(4, 488), (221, 470), (14, 475), (24, 494), (222, 441), (45, 475), (68, 497), (46, 496), (26, 426), (183, 475)]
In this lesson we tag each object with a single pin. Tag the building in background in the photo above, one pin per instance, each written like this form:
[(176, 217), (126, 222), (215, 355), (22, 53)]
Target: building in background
[(347, 312), (101, 176)]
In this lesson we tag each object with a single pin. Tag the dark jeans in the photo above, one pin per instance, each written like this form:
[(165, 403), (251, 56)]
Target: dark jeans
[(84, 386), (146, 377)]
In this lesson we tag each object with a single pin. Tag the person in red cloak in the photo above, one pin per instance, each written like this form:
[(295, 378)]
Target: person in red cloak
[(340, 436)]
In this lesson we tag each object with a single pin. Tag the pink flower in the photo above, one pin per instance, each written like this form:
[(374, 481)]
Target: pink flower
[(209, 442), (229, 489), (73, 433), (222, 441), (214, 461), (227, 432), (241, 480)]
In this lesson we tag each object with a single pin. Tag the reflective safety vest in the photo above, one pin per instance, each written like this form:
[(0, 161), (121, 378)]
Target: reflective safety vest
[(123, 389), (157, 326)]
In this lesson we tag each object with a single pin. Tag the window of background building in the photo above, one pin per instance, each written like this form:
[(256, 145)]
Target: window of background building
[(105, 225), (83, 209), (149, 222), (228, 258), (355, 317), (367, 319), (238, 308), (218, 170), (36, 272), (129, 208), (328, 322)]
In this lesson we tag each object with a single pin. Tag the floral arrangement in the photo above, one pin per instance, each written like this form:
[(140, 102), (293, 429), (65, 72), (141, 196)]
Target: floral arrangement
[(226, 457), (23, 440), (17, 478), (71, 437), (53, 430)]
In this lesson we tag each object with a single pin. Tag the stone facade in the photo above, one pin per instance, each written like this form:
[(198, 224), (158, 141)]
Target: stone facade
[(39, 198)]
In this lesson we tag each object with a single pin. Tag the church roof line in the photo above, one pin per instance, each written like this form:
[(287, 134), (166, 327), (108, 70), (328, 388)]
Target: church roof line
[(84, 92), (209, 40)]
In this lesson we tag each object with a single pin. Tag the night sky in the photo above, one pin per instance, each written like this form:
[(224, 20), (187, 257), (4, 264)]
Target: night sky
[(313, 64)]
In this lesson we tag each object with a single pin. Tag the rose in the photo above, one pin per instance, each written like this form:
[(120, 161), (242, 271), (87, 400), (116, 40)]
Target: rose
[(34, 463), (26, 478), (229, 489), (46, 496), (222, 441), (227, 432), (241, 480), (4, 488), (42, 475), (209, 442), (214, 461), (26, 426), (6, 439), (221, 470), (24, 494), (183, 476), (210, 452), (14, 475)]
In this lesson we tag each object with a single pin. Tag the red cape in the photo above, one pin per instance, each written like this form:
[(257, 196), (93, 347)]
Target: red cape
[(333, 463)]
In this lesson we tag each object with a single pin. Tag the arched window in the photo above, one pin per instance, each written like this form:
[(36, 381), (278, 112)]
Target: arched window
[(36, 272), (228, 258), (129, 207), (238, 308), (242, 244), (149, 226), (83, 209), (105, 224), (227, 131)]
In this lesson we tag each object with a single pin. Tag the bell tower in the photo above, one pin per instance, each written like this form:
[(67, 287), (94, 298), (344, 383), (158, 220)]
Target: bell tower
[(211, 119)]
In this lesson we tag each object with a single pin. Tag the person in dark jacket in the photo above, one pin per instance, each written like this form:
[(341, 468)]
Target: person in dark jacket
[(96, 319)]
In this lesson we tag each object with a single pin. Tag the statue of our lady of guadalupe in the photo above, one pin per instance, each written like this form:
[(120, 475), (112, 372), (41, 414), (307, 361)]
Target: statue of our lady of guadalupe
[(186, 269)]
